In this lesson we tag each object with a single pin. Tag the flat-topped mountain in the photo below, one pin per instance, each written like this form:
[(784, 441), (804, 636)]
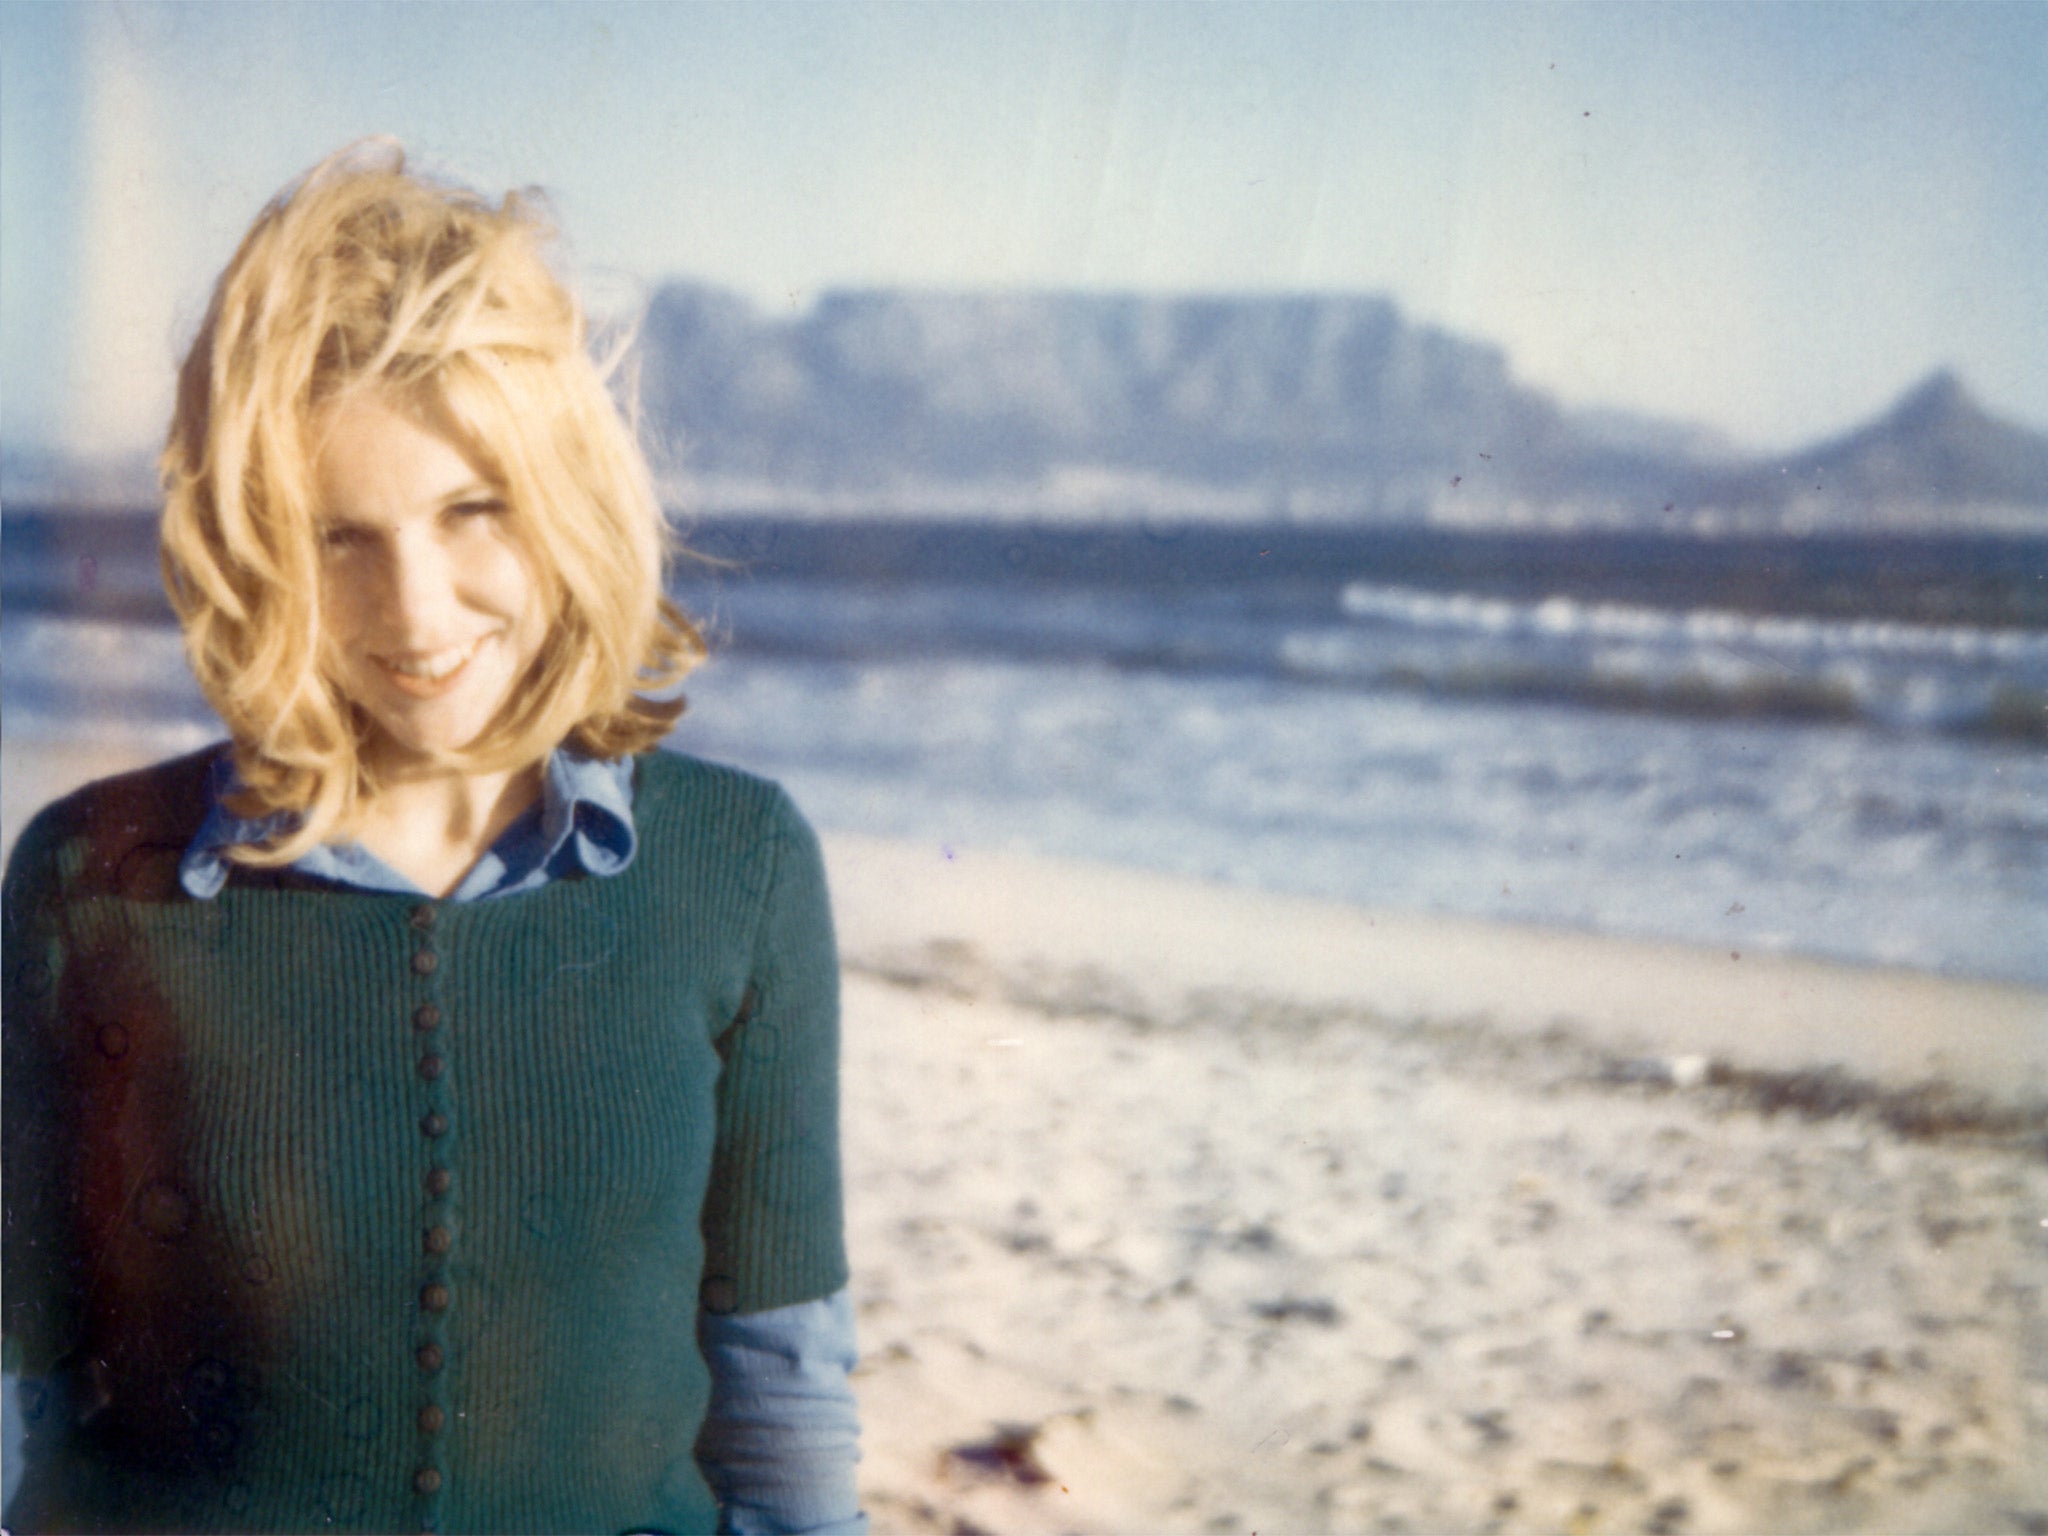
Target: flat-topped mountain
[(867, 388), (1256, 405)]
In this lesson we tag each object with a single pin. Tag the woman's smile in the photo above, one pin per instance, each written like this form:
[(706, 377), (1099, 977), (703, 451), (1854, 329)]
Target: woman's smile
[(427, 674)]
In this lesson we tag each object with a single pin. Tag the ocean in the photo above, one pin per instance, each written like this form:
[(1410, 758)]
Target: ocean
[(1829, 746)]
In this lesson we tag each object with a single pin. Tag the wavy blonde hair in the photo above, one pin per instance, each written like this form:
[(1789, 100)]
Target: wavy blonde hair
[(366, 276)]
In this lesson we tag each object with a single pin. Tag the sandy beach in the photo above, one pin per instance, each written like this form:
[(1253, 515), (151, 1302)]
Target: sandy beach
[(1185, 1208), (1178, 1208)]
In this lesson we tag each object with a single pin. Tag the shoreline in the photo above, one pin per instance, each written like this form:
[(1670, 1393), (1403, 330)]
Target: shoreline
[(1169, 939)]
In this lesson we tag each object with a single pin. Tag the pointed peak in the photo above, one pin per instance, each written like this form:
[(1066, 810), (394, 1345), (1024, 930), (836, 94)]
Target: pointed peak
[(1941, 396)]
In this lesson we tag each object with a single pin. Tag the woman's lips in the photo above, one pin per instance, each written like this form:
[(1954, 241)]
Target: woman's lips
[(428, 674)]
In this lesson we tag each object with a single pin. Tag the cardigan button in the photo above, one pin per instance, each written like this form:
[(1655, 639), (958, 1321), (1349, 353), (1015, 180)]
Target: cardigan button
[(434, 1124), (426, 1017), (425, 962), (429, 1357), (423, 916), (431, 1066), (439, 1181), (438, 1240), (432, 1419), (426, 1482), (719, 1294), (434, 1298)]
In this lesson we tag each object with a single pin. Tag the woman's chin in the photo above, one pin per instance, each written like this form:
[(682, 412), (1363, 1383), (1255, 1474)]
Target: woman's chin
[(421, 738), (418, 753)]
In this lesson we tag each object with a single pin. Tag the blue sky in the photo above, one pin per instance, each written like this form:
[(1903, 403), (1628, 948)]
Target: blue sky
[(1768, 218)]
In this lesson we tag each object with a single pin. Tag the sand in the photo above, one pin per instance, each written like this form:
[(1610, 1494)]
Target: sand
[(1183, 1208), (1177, 1208)]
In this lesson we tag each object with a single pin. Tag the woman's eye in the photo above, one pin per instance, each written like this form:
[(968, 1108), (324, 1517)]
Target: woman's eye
[(339, 536), (481, 506)]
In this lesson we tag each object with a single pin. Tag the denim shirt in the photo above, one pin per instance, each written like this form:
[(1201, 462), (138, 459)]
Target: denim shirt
[(781, 1435)]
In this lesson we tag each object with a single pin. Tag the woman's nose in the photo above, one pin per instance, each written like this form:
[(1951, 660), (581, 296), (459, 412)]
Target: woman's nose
[(419, 586)]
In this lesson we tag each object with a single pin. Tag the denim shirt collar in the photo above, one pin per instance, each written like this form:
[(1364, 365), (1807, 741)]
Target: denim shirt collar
[(583, 823)]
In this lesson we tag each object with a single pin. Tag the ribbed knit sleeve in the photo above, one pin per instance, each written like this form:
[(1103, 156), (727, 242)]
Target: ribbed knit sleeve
[(36, 1263), (773, 1215)]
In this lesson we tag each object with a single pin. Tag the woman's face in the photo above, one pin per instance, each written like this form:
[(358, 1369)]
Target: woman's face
[(431, 609)]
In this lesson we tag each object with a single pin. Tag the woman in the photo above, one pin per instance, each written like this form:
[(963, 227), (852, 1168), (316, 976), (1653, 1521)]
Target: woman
[(421, 1113)]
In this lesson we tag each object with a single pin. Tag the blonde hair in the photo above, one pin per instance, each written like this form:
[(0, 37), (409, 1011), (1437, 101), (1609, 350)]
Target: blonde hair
[(366, 276)]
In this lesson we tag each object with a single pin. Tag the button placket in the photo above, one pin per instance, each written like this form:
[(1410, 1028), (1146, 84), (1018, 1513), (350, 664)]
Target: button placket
[(438, 1225)]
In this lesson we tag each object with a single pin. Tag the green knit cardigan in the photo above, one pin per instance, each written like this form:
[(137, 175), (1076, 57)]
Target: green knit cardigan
[(330, 1210)]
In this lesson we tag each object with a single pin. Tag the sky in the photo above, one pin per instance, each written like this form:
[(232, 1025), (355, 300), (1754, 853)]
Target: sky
[(1768, 219)]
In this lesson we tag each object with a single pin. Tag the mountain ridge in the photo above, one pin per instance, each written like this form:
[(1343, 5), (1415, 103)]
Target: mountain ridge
[(1291, 407), (1330, 409)]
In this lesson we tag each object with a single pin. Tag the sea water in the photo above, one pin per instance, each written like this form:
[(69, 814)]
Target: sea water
[(1833, 749)]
